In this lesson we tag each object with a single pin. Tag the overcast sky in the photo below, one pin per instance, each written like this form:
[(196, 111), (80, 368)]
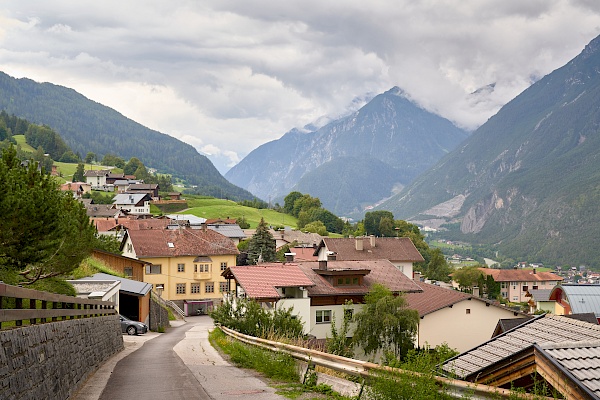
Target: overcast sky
[(228, 76)]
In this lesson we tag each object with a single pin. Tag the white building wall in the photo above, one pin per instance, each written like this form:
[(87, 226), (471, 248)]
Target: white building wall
[(405, 267), (301, 309), (460, 329), (323, 330)]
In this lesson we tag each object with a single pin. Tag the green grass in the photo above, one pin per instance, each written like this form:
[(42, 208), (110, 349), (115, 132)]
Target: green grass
[(220, 208), (278, 367), (20, 139)]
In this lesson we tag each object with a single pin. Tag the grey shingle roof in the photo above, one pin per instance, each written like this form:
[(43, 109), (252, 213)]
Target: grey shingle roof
[(581, 298), (546, 329), (127, 285), (580, 359), (229, 230)]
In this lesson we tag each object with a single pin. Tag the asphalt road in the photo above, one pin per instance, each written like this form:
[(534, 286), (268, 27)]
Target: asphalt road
[(178, 364)]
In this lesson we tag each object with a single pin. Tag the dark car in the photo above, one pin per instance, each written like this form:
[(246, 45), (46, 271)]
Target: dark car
[(132, 327)]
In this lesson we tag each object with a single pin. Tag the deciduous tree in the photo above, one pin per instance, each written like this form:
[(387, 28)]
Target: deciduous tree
[(385, 323)]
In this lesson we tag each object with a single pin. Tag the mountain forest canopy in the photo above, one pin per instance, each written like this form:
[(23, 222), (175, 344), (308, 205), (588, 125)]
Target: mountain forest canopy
[(87, 126)]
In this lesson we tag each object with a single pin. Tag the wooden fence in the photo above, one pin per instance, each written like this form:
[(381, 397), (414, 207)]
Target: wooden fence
[(20, 306)]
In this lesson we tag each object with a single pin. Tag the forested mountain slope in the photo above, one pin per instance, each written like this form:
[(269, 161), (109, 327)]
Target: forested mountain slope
[(528, 180), (87, 126), (391, 130)]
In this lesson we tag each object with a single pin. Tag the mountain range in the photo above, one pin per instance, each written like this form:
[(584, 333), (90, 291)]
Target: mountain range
[(87, 126), (354, 161), (528, 180)]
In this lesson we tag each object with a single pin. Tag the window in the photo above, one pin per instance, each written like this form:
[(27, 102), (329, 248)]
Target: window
[(153, 269), (195, 288), (128, 271), (209, 287), (525, 288), (180, 267), (323, 316), (534, 287), (515, 298), (195, 267), (129, 248), (180, 288), (223, 287), (223, 266), (468, 310)]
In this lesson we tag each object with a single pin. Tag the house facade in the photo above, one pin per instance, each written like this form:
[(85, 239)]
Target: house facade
[(135, 204), (96, 179), (322, 298), (186, 264), (400, 251), (458, 319), (515, 284), (570, 299)]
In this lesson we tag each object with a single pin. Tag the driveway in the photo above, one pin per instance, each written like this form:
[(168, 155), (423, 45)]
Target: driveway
[(178, 364)]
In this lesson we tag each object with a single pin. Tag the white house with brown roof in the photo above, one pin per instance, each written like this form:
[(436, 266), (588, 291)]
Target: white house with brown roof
[(323, 296), (400, 251), (516, 283), (458, 319), (186, 263), (136, 203)]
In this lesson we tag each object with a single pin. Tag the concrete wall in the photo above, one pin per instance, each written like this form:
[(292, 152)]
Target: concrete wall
[(50, 361)]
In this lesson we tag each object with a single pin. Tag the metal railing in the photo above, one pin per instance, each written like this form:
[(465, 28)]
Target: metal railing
[(19, 305), (455, 388)]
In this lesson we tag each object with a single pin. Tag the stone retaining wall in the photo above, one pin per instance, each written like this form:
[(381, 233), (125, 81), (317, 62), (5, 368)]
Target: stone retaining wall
[(51, 360)]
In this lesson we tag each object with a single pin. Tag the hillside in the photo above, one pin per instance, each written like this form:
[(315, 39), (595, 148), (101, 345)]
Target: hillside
[(528, 180), (87, 126), (389, 130)]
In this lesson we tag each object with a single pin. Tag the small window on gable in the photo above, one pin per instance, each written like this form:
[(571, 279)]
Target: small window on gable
[(468, 311)]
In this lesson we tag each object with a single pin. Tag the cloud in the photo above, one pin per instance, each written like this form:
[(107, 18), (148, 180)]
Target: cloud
[(226, 77)]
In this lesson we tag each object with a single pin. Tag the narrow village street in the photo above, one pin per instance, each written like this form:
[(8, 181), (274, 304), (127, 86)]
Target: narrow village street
[(178, 364)]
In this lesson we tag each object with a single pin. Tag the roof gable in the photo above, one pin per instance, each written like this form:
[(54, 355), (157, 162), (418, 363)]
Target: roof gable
[(180, 242), (393, 249), (261, 281)]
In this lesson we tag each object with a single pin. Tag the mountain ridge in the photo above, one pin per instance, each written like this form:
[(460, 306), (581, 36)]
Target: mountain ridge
[(88, 126), (527, 177), (389, 128)]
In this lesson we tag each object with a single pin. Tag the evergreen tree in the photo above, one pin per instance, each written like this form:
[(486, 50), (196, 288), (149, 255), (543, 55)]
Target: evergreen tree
[(78, 175), (261, 245), (43, 232)]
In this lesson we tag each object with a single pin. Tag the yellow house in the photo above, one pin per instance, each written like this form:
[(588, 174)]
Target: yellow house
[(186, 263)]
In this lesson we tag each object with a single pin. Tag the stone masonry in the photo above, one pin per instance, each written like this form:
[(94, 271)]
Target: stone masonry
[(50, 361)]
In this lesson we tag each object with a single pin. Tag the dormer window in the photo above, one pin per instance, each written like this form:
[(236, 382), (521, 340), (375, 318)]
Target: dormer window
[(171, 245), (346, 280)]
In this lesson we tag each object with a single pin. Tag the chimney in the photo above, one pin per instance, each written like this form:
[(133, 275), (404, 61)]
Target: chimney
[(323, 265), (289, 257), (372, 238), (534, 271), (476, 291), (417, 276), (359, 244)]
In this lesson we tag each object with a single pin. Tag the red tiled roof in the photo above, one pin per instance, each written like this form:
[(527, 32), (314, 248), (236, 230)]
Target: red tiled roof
[(303, 253), (105, 225), (185, 242), (393, 249), (260, 281), (434, 298), (520, 275), (145, 223), (382, 271)]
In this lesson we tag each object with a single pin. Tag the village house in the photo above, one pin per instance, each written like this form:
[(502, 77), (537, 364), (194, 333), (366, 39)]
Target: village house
[(186, 264), (458, 319), (516, 283), (144, 188), (78, 188), (135, 204), (318, 291), (400, 251)]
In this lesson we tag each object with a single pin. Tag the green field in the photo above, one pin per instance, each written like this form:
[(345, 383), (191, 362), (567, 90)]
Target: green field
[(67, 170), (21, 142), (220, 208)]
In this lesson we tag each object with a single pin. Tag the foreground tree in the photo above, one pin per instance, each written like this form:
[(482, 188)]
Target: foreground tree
[(261, 246), (43, 232), (385, 323)]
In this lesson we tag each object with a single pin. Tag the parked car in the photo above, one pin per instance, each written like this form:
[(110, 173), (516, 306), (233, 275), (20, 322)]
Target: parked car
[(132, 327)]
